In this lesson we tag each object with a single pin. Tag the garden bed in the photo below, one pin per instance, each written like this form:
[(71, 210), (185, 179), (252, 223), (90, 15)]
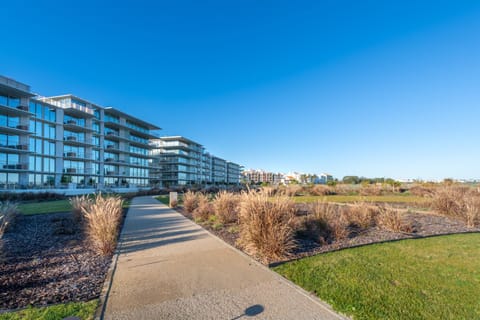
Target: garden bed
[(45, 259), (423, 225)]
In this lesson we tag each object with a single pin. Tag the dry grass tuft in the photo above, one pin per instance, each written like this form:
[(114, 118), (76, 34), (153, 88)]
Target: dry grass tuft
[(448, 200), (190, 201), (226, 206), (77, 204), (363, 214), (471, 214), (266, 226), (321, 190), (293, 190), (103, 217), (204, 208), (389, 218), (8, 215), (327, 222)]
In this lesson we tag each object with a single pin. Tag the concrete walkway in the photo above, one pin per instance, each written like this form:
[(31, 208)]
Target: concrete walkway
[(170, 268)]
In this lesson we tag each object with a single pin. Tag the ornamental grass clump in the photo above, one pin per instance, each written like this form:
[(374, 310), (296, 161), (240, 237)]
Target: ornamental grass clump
[(8, 215), (102, 219), (77, 204), (204, 208), (389, 218), (226, 206), (190, 201), (326, 222), (267, 226)]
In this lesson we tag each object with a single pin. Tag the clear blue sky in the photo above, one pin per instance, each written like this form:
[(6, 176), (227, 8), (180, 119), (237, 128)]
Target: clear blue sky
[(373, 88)]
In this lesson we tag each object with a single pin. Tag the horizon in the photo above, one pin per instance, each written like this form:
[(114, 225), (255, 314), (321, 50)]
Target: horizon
[(374, 90)]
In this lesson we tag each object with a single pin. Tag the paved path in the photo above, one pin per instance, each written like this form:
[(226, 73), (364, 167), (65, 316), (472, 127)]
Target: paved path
[(170, 268)]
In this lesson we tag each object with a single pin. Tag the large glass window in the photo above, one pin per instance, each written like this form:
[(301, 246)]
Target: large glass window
[(110, 118), (9, 101)]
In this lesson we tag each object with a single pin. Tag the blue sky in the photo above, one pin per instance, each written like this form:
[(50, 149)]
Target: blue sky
[(373, 88)]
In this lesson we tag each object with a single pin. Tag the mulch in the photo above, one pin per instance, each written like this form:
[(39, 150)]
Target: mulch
[(46, 259)]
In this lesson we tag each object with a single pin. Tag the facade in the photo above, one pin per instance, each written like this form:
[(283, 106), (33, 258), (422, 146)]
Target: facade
[(233, 173), (178, 161), (52, 142)]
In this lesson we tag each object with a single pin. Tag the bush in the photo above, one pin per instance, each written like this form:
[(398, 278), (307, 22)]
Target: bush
[(327, 222), (293, 190), (77, 204), (448, 200), (363, 214), (422, 190), (472, 210), (266, 226), (204, 208), (321, 190), (103, 217), (226, 207), (371, 190), (190, 201), (8, 215), (390, 219)]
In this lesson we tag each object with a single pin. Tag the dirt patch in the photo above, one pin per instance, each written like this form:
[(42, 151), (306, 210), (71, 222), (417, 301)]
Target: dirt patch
[(45, 259), (423, 225)]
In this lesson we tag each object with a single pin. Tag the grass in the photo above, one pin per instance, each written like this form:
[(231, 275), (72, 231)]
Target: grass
[(83, 310), (355, 198), (434, 278), (45, 207)]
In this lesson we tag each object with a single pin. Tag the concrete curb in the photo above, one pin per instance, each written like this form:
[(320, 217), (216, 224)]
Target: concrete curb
[(292, 285)]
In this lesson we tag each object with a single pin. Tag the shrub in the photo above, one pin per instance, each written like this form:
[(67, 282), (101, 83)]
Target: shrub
[(190, 201), (471, 213), (226, 206), (204, 208), (371, 190), (266, 226), (103, 217), (8, 215), (293, 190), (362, 214), (77, 204), (321, 190), (390, 219), (422, 190), (326, 222), (448, 200)]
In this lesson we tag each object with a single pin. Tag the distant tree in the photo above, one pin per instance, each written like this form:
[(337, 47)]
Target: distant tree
[(351, 180), (332, 183)]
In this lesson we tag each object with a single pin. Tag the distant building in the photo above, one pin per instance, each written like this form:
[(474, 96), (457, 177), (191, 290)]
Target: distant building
[(260, 176), (179, 161), (324, 178)]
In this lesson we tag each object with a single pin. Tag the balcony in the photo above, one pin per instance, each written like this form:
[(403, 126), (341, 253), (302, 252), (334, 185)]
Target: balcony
[(70, 154), (19, 148), (17, 111), (70, 170), (23, 108), (110, 173), (16, 166)]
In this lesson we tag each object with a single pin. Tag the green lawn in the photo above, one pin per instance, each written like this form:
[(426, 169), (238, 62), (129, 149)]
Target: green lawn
[(45, 207), (344, 199), (434, 278), (83, 310)]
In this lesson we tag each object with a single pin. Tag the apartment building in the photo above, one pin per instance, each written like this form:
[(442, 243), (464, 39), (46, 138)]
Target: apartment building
[(67, 141), (234, 171), (178, 161), (260, 176)]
